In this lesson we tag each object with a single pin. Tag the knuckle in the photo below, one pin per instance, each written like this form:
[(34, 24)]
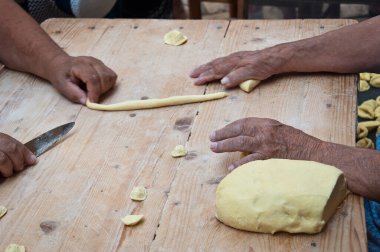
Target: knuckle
[(241, 141), (19, 167), (3, 158), (11, 147), (6, 172), (94, 78)]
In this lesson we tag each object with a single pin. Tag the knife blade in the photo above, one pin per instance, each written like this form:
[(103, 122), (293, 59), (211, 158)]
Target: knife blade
[(42, 143)]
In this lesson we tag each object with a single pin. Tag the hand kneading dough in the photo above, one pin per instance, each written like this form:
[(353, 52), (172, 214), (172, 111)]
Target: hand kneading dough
[(156, 103), (280, 195)]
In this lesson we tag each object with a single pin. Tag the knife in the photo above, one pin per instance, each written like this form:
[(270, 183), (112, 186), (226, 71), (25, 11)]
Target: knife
[(42, 143)]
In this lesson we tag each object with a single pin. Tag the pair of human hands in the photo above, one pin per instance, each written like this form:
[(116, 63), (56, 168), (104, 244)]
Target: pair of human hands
[(76, 78), (259, 137)]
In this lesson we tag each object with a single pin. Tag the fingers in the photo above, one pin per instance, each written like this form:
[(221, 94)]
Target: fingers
[(107, 77), (195, 73), (239, 143), (71, 73), (207, 76), (97, 77), (14, 156), (203, 79), (214, 70), (6, 167), (73, 92), (88, 75), (252, 157), (234, 129), (29, 157), (237, 76), (14, 152)]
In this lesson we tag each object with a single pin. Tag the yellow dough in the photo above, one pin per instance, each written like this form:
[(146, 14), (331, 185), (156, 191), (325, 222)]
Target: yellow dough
[(175, 38), (361, 131), (3, 211), (377, 112), (280, 195), (138, 193), (365, 127), (378, 101), (365, 143), (375, 80), (367, 109), (363, 86), (370, 125), (131, 220), (249, 85), (179, 151), (156, 103), (15, 248), (365, 76)]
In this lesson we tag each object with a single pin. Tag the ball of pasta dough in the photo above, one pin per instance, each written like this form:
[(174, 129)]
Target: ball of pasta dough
[(280, 195)]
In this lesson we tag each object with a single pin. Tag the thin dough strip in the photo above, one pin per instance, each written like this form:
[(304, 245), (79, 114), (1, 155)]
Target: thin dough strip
[(156, 103)]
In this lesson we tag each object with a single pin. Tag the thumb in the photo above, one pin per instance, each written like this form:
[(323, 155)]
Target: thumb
[(29, 157), (73, 92), (236, 77), (246, 159)]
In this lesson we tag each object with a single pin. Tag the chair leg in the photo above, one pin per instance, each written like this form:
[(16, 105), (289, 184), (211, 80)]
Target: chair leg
[(195, 9), (333, 11), (233, 9), (178, 10), (241, 9)]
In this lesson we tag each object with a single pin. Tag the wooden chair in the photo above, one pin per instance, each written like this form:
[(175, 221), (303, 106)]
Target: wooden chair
[(237, 8)]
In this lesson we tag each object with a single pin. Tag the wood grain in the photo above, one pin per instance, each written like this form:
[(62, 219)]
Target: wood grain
[(73, 199), (320, 104)]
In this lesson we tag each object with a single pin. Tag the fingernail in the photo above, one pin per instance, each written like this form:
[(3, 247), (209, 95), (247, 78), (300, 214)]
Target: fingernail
[(212, 135), (213, 145), (82, 100), (231, 167), (225, 81), (32, 159)]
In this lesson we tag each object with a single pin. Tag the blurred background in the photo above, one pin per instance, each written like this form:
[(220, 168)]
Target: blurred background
[(275, 9)]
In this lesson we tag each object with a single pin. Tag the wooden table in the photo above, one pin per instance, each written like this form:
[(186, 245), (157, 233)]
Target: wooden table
[(73, 199)]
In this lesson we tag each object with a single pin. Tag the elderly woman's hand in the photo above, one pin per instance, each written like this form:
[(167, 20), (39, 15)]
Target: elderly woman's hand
[(242, 66), (69, 74), (264, 139)]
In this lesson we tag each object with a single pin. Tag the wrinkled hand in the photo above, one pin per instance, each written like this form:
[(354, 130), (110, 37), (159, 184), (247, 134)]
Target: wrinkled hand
[(69, 74), (263, 139), (14, 156), (239, 67)]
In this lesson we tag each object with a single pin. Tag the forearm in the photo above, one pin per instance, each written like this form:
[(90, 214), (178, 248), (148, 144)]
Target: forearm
[(24, 46), (352, 49), (361, 167)]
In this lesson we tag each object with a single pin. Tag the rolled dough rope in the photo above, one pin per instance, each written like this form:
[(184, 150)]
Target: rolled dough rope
[(249, 85), (156, 103)]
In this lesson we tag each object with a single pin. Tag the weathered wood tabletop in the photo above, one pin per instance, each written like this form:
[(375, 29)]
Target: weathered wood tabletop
[(73, 199)]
